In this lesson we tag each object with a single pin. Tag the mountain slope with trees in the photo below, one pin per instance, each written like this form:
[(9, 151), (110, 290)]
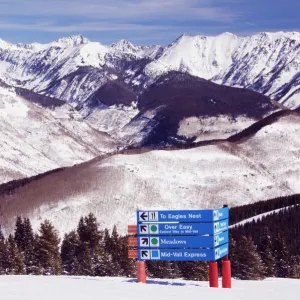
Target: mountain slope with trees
[(39, 134), (255, 167)]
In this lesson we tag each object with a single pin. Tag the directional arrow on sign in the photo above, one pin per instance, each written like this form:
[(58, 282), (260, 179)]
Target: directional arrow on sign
[(144, 216), (144, 228), (145, 254), (145, 241)]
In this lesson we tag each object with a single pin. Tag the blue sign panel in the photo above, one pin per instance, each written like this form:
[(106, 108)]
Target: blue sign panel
[(185, 216), (182, 228), (183, 254), (167, 242)]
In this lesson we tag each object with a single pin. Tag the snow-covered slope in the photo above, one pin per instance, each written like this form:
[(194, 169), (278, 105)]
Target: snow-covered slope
[(254, 167), (73, 68), (202, 56), (35, 139), (265, 62), (268, 63), (37, 67), (90, 288)]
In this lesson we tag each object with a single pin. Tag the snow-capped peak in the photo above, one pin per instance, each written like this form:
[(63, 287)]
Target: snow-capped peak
[(199, 55), (72, 41), (4, 44), (271, 37), (227, 34), (250, 62), (125, 46)]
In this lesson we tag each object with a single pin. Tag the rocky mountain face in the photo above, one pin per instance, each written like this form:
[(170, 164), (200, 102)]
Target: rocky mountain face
[(73, 68), (130, 92)]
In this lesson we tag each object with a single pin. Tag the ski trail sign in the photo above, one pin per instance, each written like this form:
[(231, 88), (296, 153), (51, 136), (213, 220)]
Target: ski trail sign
[(180, 235)]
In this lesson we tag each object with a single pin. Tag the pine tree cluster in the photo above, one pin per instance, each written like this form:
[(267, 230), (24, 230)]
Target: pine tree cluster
[(240, 213), (86, 251), (29, 253), (268, 247)]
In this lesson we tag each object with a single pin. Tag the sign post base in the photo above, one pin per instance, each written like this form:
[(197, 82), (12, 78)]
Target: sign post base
[(213, 274), (141, 272), (226, 274)]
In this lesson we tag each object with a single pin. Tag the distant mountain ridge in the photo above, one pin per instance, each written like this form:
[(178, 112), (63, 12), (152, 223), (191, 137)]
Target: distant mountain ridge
[(109, 85), (264, 62)]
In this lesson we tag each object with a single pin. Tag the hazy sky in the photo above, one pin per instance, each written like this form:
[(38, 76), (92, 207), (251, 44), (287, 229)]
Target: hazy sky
[(142, 21)]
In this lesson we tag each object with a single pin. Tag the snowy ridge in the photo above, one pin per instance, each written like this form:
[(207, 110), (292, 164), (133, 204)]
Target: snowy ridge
[(72, 41), (265, 62), (198, 55)]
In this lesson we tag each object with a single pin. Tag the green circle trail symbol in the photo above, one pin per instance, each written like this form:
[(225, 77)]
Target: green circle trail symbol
[(153, 228), (154, 241)]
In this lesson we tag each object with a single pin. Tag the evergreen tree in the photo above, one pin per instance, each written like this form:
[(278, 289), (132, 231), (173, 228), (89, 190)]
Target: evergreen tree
[(3, 254), (69, 253), (114, 249), (1, 235), (106, 239), (88, 231), (115, 242), (36, 268), (249, 263), (47, 249), (104, 265), (294, 269), (15, 259), (281, 255), (191, 270), (24, 238), (29, 243), (265, 248), (20, 234), (128, 266), (233, 257), (163, 269), (84, 259), (91, 246)]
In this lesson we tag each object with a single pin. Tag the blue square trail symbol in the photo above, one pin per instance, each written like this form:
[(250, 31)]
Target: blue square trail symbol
[(155, 254)]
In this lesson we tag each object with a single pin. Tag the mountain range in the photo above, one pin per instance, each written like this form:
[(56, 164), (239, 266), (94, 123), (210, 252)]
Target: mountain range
[(109, 85), (195, 123), (73, 68)]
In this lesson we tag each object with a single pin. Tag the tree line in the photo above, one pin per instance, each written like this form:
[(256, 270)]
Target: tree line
[(268, 247), (10, 187), (240, 213), (87, 251)]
